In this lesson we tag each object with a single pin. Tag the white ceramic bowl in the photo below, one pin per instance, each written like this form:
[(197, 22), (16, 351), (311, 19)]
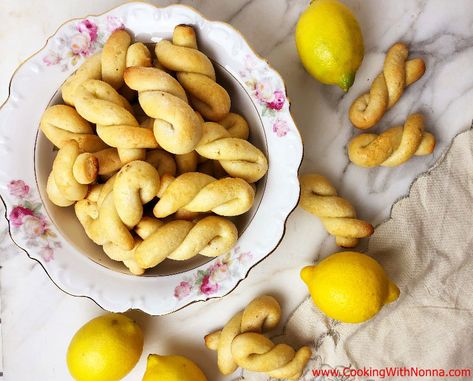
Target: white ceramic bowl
[(53, 236)]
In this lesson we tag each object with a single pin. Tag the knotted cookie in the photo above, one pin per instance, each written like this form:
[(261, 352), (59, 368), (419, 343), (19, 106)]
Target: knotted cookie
[(198, 192), (98, 102), (176, 126), (394, 146), (71, 172), (238, 157), (241, 343), (108, 65), (398, 73), (195, 72), (320, 198)]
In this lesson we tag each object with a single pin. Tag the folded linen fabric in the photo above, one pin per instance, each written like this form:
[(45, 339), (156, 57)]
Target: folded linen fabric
[(427, 249)]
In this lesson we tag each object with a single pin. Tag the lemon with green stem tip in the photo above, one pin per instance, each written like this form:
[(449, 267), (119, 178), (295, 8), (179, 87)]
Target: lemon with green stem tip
[(350, 287), (330, 43)]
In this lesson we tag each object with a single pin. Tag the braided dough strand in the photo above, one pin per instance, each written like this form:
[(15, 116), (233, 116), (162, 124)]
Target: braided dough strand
[(241, 343), (387, 88), (319, 197), (90, 69), (136, 184), (138, 55), (99, 103), (101, 221), (61, 123), (144, 229), (195, 72), (180, 240), (114, 58), (108, 65), (257, 353), (238, 157), (176, 127), (177, 240), (198, 192), (393, 147), (63, 187)]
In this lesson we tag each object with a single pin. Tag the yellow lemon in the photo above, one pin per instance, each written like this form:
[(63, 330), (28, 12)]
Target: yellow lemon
[(105, 349), (349, 286), (172, 368), (330, 43)]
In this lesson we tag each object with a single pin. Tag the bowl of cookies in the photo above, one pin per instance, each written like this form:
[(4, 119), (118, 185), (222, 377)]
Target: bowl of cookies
[(155, 161)]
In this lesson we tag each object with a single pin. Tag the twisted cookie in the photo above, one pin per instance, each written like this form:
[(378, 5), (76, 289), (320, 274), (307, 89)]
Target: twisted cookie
[(176, 127), (114, 56), (320, 198), (90, 69), (144, 229), (72, 171), (198, 192), (136, 184), (195, 72), (394, 146), (100, 219), (181, 240), (238, 157), (99, 103), (108, 65), (61, 123), (137, 54), (387, 88), (102, 224), (241, 343)]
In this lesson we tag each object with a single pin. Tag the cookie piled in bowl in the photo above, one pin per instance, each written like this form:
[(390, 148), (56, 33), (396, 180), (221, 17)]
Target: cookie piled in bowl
[(149, 153)]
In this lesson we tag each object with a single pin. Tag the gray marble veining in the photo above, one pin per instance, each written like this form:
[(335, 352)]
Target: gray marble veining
[(38, 319)]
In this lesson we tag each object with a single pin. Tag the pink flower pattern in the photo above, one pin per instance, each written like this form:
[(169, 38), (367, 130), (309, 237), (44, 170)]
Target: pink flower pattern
[(265, 92), (209, 281), (18, 188), (52, 58), (183, 290), (218, 272), (280, 127), (89, 28), (26, 218), (34, 227), (80, 44), (207, 287), (18, 214), (82, 40), (47, 253), (278, 100)]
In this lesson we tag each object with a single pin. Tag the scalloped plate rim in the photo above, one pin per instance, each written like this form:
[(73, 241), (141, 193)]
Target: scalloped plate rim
[(273, 72)]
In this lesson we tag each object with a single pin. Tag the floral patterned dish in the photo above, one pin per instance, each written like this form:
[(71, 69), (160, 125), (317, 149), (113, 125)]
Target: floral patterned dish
[(48, 235)]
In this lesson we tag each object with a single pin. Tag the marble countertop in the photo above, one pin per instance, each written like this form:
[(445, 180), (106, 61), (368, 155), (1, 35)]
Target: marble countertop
[(38, 319)]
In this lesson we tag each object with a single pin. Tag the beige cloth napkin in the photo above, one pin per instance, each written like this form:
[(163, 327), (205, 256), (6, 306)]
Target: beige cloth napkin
[(426, 247)]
